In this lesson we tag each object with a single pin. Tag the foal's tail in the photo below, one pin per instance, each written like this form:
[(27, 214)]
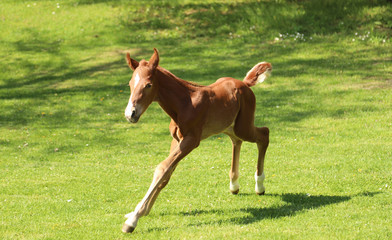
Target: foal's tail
[(258, 74)]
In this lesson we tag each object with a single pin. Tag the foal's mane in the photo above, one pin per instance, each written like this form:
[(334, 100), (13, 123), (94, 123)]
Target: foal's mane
[(182, 81)]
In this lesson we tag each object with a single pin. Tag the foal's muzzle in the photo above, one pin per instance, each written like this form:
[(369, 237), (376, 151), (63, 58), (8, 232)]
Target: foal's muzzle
[(131, 115), (134, 118)]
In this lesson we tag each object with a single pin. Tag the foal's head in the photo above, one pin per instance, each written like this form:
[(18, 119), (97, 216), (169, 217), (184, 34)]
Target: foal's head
[(143, 86)]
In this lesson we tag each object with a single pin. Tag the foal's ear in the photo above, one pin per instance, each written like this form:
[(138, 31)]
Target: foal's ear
[(133, 64), (154, 60)]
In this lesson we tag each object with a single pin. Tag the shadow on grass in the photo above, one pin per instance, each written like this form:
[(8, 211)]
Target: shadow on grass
[(295, 203)]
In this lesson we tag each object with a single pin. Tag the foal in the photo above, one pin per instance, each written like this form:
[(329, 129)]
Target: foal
[(197, 112)]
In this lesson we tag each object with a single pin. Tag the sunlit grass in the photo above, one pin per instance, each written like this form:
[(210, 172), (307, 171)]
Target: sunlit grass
[(71, 166)]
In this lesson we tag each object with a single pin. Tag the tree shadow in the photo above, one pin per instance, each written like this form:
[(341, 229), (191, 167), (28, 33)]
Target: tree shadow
[(264, 18), (55, 66), (207, 21)]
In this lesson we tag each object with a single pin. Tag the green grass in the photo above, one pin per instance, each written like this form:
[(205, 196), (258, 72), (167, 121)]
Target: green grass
[(71, 166)]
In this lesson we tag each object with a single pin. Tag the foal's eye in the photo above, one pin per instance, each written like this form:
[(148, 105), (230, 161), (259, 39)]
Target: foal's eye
[(148, 85)]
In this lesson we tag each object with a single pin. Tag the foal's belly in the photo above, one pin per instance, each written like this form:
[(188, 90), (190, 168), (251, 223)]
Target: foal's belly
[(219, 120), (224, 106), (213, 129)]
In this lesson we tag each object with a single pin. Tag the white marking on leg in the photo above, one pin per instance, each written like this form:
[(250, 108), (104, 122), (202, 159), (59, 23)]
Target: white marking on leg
[(234, 186), (132, 219), (134, 216), (259, 188)]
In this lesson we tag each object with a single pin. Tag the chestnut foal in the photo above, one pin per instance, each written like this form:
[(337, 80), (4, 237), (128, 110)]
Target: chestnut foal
[(197, 112)]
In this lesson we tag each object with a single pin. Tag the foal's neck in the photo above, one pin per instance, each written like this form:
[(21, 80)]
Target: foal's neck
[(174, 93)]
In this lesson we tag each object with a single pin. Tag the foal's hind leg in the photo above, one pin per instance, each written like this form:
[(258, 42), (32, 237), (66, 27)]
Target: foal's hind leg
[(261, 137), (262, 145), (245, 130), (234, 170)]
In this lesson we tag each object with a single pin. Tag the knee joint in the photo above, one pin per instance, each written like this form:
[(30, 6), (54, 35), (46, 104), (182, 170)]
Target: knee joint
[(263, 136), (265, 131)]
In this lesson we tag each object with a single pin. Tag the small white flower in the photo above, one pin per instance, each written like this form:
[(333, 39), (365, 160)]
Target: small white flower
[(69, 200), (353, 40), (383, 40), (28, 5), (53, 13)]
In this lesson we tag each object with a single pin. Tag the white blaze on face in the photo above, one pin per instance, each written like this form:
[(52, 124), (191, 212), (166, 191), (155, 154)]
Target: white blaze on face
[(128, 110), (137, 79)]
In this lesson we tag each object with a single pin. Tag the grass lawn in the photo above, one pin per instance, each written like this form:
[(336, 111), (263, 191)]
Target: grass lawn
[(71, 166)]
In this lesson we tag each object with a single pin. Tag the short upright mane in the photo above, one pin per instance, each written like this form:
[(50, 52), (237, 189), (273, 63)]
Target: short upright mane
[(167, 72)]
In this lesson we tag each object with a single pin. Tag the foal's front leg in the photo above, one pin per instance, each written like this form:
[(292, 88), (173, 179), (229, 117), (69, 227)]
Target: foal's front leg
[(162, 175)]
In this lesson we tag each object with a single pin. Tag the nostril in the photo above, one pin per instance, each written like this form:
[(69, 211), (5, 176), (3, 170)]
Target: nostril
[(133, 113)]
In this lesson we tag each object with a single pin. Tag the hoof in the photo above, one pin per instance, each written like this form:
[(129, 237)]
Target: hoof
[(262, 193), (235, 192), (127, 229)]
